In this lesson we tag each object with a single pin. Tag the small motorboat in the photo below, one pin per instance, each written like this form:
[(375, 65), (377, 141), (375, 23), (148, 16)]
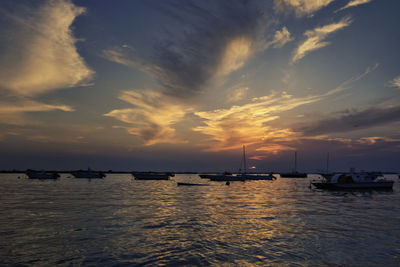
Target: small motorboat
[(152, 175), (88, 174), (32, 174), (364, 180)]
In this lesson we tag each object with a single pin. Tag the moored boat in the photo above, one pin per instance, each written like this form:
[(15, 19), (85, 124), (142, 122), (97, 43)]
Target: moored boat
[(88, 174), (190, 184), (354, 181), (295, 173), (32, 174), (269, 176), (227, 177), (152, 175)]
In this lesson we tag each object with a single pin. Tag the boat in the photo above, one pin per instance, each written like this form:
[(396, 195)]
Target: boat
[(190, 184), (212, 175), (361, 180), (269, 176), (88, 174), (32, 174), (295, 173), (240, 176), (227, 177), (152, 175)]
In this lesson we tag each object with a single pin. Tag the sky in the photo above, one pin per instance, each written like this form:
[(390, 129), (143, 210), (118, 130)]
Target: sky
[(184, 85)]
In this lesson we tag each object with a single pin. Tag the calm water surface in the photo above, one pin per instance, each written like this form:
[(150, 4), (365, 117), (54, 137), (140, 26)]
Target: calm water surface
[(122, 221)]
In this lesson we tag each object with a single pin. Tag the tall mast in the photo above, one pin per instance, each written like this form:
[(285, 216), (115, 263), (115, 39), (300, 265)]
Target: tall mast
[(295, 161), (244, 159), (327, 163)]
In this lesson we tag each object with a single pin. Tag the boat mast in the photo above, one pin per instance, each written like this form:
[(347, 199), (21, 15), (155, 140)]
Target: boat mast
[(327, 163), (244, 159), (295, 161)]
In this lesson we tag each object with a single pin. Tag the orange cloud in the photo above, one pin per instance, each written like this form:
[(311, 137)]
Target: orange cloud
[(152, 117), (248, 124)]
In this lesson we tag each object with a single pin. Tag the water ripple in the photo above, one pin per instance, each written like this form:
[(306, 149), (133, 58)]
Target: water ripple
[(121, 221)]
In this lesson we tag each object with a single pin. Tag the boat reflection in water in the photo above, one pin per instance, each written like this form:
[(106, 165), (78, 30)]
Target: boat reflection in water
[(363, 180)]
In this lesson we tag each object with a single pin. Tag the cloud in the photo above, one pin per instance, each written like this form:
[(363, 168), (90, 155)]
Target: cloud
[(315, 38), (237, 94), (353, 3), (300, 7), (395, 82), (281, 38), (12, 110), (352, 120), (248, 124), (218, 39), (39, 53), (152, 117)]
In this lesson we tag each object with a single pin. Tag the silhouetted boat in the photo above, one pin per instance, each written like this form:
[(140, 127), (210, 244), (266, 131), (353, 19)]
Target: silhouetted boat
[(241, 176), (269, 176), (212, 175), (88, 174), (354, 181), (227, 177), (32, 174), (189, 184), (152, 175), (295, 173)]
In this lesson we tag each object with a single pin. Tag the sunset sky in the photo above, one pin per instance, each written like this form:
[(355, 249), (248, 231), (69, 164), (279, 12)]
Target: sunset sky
[(183, 85)]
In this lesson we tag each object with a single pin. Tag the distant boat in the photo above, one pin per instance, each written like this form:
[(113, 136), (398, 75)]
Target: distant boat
[(361, 180), (241, 176), (152, 175), (189, 184), (215, 175), (32, 174), (269, 176), (88, 174), (295, 173)]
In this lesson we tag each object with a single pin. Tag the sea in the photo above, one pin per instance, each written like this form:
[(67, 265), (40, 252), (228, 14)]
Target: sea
[(119, 221)]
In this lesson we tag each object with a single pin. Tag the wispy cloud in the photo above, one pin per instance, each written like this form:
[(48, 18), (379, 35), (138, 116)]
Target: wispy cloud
[(353, 3), (395, 82), (41, 55), (237, 94), (281, 38), (316, 38), (220, 38), (152, 117), (300, 7), (12, 111), (352, 120), (250, 123), (347, 84)]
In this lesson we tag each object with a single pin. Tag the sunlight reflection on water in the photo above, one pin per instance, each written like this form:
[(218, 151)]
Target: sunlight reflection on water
[(118, 220)]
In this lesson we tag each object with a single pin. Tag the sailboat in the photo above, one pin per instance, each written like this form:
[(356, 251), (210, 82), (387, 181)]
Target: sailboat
[(241, 176), (295, 173), (246, 176)]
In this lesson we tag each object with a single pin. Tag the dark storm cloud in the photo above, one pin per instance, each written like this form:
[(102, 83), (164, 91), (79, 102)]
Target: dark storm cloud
[(191, 50), (351, 120)]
